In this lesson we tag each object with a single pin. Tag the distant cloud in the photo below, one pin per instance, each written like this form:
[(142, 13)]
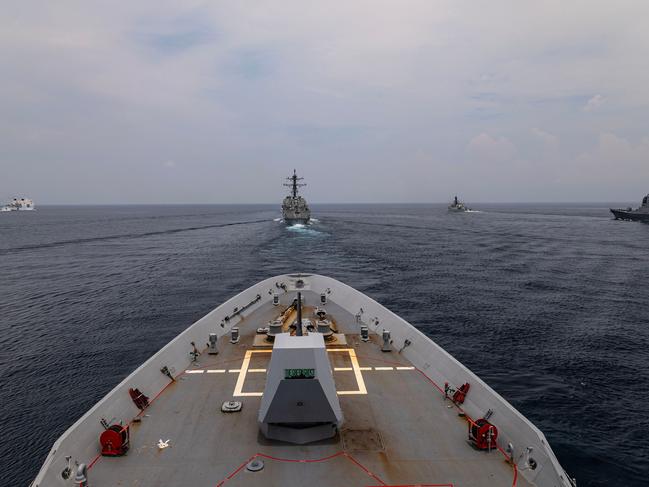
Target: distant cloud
[(612, 160), (613, 151), (485, 146), (546, 137), (241, 94), (594, 103), (174, 34)]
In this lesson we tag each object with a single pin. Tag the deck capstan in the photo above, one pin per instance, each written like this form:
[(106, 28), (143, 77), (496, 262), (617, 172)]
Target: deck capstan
[(300, 404)]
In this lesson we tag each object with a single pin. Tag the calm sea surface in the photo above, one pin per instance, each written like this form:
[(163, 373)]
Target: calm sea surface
[(547, 304)]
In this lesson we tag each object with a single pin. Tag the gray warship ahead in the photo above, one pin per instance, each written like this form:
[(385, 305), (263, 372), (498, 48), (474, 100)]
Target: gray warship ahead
[(301, 380), (295, 208), (640, 214), (458, 206)]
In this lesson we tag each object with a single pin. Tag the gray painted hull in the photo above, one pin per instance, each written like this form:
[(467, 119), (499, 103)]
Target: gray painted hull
[(292, 217), (632, 215), (294, 221)]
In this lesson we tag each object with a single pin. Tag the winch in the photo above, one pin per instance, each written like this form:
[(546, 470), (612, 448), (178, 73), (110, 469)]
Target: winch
[(483, 434), (114, 440)]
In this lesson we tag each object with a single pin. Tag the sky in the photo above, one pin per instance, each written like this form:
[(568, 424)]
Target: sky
[(183, 101)]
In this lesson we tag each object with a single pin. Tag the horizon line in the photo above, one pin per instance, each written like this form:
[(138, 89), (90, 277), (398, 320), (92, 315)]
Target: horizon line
[(337, 203)]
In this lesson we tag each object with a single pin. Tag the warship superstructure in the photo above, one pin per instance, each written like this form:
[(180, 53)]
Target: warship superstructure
[(639, 214), (302, 380), (19, 204), (458, 206), (294, 207)]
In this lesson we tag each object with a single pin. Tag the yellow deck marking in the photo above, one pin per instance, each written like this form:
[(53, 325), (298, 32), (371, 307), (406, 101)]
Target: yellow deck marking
[(383, 368), (343, 369), (243, 371), (357, 372), (405, 368), (194, 371), (216, 371), (238, 388)]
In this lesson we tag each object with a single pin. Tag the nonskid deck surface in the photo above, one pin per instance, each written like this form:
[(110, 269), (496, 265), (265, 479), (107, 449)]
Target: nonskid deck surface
[(398, 428)]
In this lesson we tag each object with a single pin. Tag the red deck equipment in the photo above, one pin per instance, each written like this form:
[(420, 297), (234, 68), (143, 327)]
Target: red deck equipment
[(140, 400), (460, 394), (483, 434), (114, 441)]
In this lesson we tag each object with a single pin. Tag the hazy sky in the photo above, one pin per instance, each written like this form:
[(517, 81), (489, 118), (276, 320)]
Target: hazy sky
[(185, 101)]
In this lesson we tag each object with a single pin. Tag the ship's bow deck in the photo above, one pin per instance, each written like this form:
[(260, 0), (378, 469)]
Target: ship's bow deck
[(398, 428)]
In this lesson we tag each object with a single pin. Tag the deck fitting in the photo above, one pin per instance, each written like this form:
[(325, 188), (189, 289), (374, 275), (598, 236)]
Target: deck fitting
[(255, 465)]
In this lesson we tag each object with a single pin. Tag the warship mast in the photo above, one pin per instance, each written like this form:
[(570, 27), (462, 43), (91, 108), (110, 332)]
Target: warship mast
[(294, 183)]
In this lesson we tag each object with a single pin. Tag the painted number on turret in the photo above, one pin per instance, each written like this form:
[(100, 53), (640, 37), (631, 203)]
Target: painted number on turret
[(299, 373)]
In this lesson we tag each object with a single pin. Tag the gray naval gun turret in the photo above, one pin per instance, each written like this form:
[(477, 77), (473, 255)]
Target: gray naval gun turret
[(640, 214), (295, 208)]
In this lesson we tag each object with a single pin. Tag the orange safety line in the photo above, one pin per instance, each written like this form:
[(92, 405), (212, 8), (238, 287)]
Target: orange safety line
[(304, 460), (468, 418), (96, 459), (229, 477), (375, 477), (432, 382), (459, 408), (158, 395), (514, 466)]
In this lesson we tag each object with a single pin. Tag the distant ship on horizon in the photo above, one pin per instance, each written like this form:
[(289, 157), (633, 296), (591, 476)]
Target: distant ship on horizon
[(640, 214), (19, 204), (294, 207), (458, 206)]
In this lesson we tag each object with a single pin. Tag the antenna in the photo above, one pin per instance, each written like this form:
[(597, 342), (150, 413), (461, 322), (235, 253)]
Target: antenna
[(298, 329), (294, 183)]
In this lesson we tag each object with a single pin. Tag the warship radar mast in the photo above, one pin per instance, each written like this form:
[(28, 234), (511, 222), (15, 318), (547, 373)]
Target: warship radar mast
[(294, 183)]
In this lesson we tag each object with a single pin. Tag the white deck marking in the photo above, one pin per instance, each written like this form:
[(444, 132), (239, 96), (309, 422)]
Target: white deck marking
[(235, 371), (199, 371), (405, 368), (216, 371), (243, 371), (238, 388), (343, 369), (365, 368), (357, 372), (383, 368)]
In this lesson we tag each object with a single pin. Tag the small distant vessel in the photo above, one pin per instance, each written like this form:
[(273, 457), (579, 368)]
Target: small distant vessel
[(458, 206), (19, 204), (640, 214), (295, 208)]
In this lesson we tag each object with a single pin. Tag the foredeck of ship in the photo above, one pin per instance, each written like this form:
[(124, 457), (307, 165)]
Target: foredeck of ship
[(398, 428)]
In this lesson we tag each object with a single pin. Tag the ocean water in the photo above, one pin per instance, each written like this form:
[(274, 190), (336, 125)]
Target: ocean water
[(548, 304)]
